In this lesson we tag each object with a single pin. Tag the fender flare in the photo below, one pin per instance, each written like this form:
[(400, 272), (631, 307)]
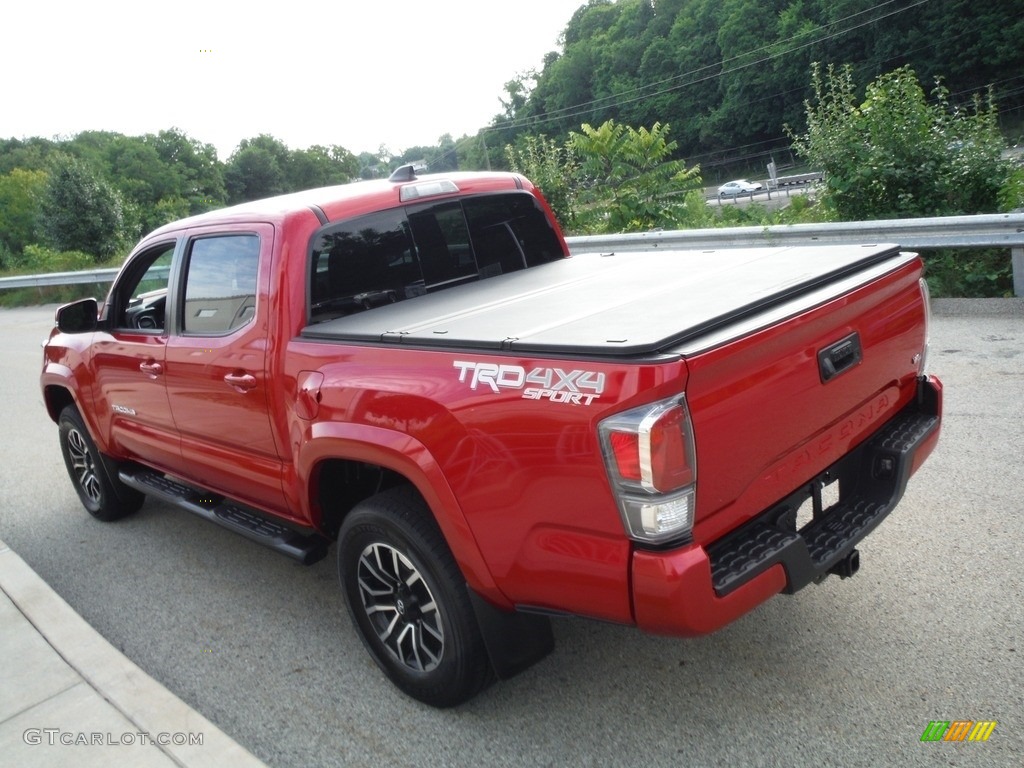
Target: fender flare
[(58, 376), (408, 457)]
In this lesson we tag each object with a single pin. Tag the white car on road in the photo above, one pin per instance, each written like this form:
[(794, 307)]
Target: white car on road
[(738, 187)]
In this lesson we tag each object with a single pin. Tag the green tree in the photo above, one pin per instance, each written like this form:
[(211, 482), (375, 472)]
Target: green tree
[(552, 167), (319, 166), (264, 166), (80, 211), (166, 210), (255, 170), (474, 152), (1011, 195), (747, 83), (154, 173), (30, 154), (894, 154), (200, 176), (20, 192), (443, 156), (727, 74), (633, 176), (371, 166)]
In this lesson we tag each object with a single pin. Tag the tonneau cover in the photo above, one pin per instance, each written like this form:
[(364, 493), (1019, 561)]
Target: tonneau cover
[(621, 304)]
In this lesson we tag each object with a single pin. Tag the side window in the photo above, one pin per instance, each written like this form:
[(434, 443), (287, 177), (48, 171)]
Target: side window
[(139, 301), (220, 283)]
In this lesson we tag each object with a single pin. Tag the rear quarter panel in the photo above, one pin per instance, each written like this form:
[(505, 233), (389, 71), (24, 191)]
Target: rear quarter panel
[(526, 475)]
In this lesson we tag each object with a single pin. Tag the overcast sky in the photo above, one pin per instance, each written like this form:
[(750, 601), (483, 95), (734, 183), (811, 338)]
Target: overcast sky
[(357, 74)]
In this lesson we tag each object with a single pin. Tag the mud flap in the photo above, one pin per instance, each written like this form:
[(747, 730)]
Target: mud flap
[(515, 641)]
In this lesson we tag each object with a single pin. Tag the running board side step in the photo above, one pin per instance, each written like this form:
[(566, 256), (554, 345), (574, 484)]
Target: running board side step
[(228, 514)]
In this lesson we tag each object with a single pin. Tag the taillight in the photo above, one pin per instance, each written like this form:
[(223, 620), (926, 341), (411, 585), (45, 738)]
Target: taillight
[(649, 454), (926, 297)]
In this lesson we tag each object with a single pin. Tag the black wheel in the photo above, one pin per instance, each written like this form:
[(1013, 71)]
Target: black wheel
[(105, 498), (408, 600)]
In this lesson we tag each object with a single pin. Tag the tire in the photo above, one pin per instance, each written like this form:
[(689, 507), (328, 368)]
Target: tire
[(105, 497), (409, 601)]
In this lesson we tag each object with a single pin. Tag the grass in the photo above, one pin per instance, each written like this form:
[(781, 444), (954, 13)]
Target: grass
[(37, 260), (50, 294)]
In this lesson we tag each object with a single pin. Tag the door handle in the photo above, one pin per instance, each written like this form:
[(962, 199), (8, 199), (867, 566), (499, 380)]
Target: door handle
[(151, 368), (242, 382)]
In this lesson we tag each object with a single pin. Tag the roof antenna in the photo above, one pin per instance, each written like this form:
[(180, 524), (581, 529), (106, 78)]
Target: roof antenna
[(403, 173)]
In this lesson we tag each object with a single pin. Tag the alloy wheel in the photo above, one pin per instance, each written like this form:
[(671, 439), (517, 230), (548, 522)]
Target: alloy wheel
[(84, 466), (401, 607)]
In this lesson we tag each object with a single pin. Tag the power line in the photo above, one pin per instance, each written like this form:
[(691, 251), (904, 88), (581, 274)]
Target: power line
[(640, 89), (643, 92)]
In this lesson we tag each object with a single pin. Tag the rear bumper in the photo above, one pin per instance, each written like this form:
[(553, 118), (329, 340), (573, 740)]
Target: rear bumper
[(697, 589)]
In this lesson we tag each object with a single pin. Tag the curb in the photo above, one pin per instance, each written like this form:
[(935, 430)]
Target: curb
[(134, 698)]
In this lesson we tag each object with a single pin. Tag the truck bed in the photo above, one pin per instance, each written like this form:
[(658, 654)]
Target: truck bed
[(619, 305)]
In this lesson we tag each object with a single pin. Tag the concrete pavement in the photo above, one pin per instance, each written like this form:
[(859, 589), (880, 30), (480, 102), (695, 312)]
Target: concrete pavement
[(847, 673), (67, 696)]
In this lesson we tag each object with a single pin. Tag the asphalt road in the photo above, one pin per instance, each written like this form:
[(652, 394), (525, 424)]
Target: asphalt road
[(843, 674), (770, 200)]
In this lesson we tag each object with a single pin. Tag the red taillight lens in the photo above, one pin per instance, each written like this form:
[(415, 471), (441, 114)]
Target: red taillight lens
[(671, 465), (626, 454)]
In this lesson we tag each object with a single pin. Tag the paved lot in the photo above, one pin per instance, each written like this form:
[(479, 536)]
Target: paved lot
[(847, 673)]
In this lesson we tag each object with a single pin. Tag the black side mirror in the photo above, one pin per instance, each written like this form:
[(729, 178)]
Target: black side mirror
[(78, 316)]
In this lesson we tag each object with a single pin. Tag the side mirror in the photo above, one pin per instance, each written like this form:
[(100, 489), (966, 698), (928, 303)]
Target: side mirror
[(78, 316)]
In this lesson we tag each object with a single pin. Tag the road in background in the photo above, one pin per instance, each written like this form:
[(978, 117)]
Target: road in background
[(848, 673), (769, 199)]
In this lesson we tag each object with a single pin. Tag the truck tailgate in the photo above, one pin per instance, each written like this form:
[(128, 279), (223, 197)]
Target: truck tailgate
[(776, 403)]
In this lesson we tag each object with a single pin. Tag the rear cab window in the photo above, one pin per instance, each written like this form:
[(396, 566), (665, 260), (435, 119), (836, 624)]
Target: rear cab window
[(398, 254)]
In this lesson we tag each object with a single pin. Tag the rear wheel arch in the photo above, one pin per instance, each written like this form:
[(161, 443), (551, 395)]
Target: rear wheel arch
[(338, 485), (380, 467)]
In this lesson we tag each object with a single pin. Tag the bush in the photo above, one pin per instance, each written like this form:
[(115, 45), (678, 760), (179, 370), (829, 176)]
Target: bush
[(632, 176), (553, 168), (8, 259), (895, 155), (38, 258), (1011, 194), (51, 294), (969, 274)]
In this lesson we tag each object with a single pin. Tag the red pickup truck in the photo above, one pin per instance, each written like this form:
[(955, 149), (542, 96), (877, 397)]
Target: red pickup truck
[(495, 432)]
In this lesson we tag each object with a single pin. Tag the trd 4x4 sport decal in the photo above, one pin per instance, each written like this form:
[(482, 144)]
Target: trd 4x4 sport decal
[(575, 387)]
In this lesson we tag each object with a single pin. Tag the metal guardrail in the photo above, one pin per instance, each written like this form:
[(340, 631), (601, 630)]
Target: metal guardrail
[(59, 278), (781, 182), (1005, 230), (82, 277)]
